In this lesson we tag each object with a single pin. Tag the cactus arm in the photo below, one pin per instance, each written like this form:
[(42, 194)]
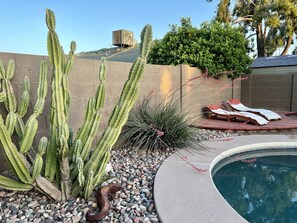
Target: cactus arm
[(20, 126), (71, 56), (89, 185), (2, 96), (51, 153), (46, 187), (14, 158), (81, 176), (53, 44), (87, 147), (10, 70), (10, 184), (2, 74), (2, 70), (10, 101), (10, 122), (84, 130), (30, 131), (70, 139), (38, 162), (101, 171), (76, 151), (64, 168), (51, 160), (146, 41), (100, 93), (42, 89), (66, 97), (24, 103)]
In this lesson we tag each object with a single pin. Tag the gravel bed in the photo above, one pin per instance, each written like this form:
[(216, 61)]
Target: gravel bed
[(135, 170)]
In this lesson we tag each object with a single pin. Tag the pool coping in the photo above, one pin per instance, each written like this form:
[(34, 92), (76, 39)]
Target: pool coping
[(185, 193)]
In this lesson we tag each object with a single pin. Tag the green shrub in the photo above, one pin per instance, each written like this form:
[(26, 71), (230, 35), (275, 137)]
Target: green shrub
[(214, 47), (162, 126)]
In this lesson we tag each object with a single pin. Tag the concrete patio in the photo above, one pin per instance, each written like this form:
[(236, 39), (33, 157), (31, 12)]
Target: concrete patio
[(188, 195)]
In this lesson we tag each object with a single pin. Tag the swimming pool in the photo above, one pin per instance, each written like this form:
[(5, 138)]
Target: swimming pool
[(261, 186)]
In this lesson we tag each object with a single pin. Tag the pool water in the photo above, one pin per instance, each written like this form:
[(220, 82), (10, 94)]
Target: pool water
[(261, 189)]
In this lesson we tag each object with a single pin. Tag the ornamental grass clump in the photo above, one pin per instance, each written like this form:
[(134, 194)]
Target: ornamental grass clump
[(162, 126)]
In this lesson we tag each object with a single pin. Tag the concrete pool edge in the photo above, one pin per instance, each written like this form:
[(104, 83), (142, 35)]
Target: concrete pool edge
[(252, 148), (183, 195)]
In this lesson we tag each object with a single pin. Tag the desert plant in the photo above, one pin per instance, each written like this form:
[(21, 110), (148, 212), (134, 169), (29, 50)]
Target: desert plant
[(160, 126), (69, 167)]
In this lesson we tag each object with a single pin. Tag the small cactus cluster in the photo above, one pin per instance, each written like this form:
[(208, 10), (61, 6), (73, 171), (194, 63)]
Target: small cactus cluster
[(26, 173), (69, 168)]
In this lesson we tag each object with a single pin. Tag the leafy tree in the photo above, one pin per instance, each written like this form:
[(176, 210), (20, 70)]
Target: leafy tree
[(273, 22), (223, 12), (214, 46)]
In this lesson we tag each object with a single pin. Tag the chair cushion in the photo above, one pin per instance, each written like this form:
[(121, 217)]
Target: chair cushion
[(234, 101), (213, 107)]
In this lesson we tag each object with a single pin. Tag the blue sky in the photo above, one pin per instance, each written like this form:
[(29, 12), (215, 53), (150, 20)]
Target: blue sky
[(91, 22)]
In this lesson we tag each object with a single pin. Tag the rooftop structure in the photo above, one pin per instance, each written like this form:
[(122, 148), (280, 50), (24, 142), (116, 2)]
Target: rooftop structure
[(275, 61)]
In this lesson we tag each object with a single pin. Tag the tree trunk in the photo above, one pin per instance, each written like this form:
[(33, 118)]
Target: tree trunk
[(260, 41), (288, 44)]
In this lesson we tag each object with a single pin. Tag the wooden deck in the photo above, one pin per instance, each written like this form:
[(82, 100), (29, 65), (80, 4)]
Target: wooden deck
[(286, 123)]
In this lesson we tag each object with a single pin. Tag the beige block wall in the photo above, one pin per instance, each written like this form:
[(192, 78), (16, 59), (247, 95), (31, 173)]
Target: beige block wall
[(201, 91), (294, 93), (159, 81), (271, 91), (246, 85)]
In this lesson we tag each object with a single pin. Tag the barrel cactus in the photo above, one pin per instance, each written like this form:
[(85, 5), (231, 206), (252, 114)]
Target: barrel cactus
[(69, 168)]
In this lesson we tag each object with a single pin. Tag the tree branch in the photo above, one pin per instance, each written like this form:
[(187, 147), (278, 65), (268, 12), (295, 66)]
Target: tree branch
[(243, 19), (289, 42)]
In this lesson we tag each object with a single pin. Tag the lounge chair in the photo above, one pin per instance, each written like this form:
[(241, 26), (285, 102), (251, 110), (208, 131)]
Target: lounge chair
[(268, 114), (216, 110)]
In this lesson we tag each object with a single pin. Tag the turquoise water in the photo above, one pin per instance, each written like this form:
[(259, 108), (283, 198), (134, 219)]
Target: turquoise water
[(262, 189)]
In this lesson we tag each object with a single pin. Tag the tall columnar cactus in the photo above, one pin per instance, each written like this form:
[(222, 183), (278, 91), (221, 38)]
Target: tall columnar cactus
[(69, 162), (100, 156), (57, 155)]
